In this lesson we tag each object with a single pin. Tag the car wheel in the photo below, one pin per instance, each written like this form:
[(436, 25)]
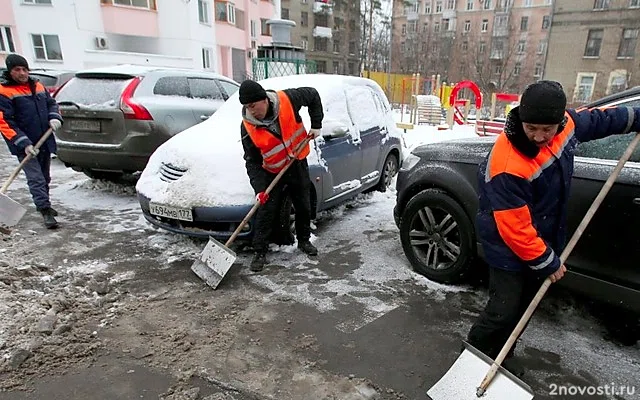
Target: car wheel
[(437, 236), (389, 171), (106, 175)]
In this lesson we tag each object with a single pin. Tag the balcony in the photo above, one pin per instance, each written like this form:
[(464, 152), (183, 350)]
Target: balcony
[(129, 20), (322, 7), (497, 54), (448, 14), (322, 31), (412, 16)]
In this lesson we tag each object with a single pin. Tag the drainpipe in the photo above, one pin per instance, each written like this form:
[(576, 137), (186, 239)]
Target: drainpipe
[(277, 9), (546, 52)]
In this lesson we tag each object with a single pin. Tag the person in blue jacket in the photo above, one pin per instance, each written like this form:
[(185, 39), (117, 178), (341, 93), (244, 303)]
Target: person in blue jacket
[(27, 111), (524, 188)]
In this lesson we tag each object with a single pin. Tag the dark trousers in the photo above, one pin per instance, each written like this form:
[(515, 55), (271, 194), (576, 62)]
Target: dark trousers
[(269, 215), (510, 293), (38, 175)]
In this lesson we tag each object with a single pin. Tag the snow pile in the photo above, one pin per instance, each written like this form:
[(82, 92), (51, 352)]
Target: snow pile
[(212, 154)]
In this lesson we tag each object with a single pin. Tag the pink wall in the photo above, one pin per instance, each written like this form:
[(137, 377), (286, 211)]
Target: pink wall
[(130, 21), (7, 19)]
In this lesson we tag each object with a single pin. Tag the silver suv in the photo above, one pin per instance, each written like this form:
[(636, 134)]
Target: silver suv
[(116, 117)]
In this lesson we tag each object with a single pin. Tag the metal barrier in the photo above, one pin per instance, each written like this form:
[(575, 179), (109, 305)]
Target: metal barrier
[(489, 128), (264, 68)]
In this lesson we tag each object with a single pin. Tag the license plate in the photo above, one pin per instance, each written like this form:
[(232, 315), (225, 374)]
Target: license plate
[(87, 126), (183, 214)]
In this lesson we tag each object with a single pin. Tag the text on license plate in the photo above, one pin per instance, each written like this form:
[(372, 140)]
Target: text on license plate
[(83, 125), (183, 214)]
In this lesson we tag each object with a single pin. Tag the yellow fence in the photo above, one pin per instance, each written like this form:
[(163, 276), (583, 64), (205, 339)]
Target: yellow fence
[(394, 91)]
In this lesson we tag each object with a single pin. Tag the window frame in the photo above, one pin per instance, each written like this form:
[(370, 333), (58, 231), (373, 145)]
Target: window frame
[(7, 40), (590, 44), (631, 49), (203, 12), (44, 47)]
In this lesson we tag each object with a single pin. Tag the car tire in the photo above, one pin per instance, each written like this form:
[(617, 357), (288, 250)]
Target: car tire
[(389, 171), (105, 175), (438, 225)]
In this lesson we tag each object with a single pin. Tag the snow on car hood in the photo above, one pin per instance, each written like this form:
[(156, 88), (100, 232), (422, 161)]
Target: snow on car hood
[(212, 155)]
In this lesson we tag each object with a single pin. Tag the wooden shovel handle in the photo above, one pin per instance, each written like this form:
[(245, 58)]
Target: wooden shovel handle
[(15, 172), (563, 258), (273, 183)]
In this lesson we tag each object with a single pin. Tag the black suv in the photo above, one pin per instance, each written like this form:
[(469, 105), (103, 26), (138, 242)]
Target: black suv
[(437, 203)]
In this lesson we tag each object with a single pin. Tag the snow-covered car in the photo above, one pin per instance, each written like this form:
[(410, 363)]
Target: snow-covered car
[(196, 183)]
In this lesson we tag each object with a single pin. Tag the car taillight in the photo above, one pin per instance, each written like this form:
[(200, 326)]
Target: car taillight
[(130, 108)]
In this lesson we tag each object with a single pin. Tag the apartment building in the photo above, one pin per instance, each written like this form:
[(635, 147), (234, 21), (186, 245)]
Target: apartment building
[(330, 32), (241, 26), (593, 47), (71, 34), (499, 44)]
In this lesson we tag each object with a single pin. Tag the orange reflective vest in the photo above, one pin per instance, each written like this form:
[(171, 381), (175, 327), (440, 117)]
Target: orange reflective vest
[(277, 151)]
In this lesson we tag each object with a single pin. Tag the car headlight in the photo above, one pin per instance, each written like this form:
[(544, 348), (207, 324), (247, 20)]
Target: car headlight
[(409, 162)]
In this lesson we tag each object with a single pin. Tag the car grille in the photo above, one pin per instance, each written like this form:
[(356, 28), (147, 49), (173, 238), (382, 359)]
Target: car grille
[(170, 173)]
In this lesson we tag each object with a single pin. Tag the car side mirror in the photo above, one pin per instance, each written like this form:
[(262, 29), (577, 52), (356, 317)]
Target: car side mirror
[(336, 132)]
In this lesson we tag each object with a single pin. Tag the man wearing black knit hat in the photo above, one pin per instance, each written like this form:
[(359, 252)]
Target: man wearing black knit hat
[(272, 133), (523, 192), (27, 111)]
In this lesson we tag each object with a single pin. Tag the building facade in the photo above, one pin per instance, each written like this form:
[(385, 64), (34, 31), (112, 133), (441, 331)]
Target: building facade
[(593, 47), (329, 31), (73, 35), (499, 44), (240, 28)]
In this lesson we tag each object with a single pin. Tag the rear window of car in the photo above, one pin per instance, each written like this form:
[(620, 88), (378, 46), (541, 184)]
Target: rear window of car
[(102, 92), (48, 81)]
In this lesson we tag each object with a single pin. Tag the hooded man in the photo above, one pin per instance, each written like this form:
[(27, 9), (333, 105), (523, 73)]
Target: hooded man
[(272, 134), (524, 188), (27, 111)]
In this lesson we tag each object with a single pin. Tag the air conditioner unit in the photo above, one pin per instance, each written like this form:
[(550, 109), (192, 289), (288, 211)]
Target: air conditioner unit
[(101, 43)]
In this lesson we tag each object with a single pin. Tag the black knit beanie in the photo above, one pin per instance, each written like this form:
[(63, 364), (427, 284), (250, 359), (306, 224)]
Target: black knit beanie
[(15, 60), (251, 91), (543, 102)]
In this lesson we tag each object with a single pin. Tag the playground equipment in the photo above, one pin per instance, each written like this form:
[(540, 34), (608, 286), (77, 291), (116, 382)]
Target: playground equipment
[(495, 125), (459, 109)]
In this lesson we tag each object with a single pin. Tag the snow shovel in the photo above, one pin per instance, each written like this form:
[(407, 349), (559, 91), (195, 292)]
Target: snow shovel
[(11, 212), (468, 377), (216, 259)]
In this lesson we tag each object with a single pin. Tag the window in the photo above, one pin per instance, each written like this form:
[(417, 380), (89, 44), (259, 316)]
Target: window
[(427, 7), (516, 69), (594, 41), (485, 25), (228, 87), (265, 29), (253, 28), (451, 4), (425, 28), (336, 46), (542, 47), (46, 47), (487, 5), (6, 40), (150, 4), (501, 21), (482, 47), (609, 148), (202, 88), (321, 67), (413, 26), (416, 7), (436, 26), (497, 69), (203, 12), (36, 1), (304, 18), (634, 3), (601, 4), (628, 43), (617, 81), (445, 24), (206, 58), (467, 26), (352, 47), (524, 23), (336, 67), (352, 68), (284, 13), (546, 21), (537, 70), (438, 6), (226, 11), (322, 20), (320, 44), (404, 29), (584, 87), (337, 23), (528, 3), (470, 4), (521, 46), (465, 45), (304, 42), (172, 86)]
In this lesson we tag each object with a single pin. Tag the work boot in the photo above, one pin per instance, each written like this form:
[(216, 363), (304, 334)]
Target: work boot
[(258, 262), (49, 220), (53, 212), (308, 248)]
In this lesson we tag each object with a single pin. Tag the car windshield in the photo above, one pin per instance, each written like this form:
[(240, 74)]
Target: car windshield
[(92, 92), (46, 80)]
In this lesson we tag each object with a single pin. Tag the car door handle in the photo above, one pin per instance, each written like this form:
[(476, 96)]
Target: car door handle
[(636, 201), (356, 141), (204, 117)]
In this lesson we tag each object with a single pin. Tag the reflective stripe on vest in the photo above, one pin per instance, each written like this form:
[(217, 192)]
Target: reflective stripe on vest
[(277, 151)]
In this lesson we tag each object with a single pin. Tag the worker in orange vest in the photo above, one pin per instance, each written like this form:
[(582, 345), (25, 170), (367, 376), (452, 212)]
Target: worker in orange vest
[(272, 134)]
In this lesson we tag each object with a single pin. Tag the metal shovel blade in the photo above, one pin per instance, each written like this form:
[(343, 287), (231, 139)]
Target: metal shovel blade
[(214, 263), (11, 212), (462, 380)]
